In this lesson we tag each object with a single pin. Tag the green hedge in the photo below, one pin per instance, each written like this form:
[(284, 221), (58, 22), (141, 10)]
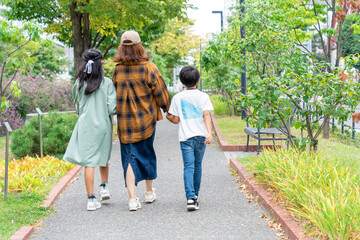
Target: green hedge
[(56, 132)]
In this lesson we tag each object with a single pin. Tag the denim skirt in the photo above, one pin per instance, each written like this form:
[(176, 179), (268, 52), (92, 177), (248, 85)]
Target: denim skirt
[(141, 156)]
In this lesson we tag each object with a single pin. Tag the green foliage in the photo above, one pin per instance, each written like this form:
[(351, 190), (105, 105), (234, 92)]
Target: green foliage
[(108, 66), (30, 180), (49, 60), (281, 77), (83, 24), (323, 192), (164, 68), (173, 46), (14, 57), (172, 94), (219, 65), (220, 106), (56, 132), (351, 45)]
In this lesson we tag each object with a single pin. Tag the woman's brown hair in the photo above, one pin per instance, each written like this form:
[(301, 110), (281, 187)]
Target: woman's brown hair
[(131, 54)]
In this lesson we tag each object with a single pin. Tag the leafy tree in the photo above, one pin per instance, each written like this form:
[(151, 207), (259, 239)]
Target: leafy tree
[(282, 76), (85, 24), (287, 77), (49, 60), (351, 45), (335, 38), (163, 67), (219, 64), (12, 42), (174, 45)]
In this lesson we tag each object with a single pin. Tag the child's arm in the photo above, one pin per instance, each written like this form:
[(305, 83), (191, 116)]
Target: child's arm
[(172, 118), (207, 120)]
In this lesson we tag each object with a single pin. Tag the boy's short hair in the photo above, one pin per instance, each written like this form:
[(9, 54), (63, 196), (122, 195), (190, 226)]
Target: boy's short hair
[(189, 76)]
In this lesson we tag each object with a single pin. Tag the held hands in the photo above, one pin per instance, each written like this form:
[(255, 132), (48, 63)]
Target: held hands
[(172, 118), (356, 117), (208, 139)]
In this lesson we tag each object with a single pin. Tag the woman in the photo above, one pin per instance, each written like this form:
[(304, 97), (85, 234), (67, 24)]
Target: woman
[(141, 92), (91, 141)]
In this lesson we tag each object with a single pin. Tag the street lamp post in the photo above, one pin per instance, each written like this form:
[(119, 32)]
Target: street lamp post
[(222, 22), (243, 75), (201, 84)]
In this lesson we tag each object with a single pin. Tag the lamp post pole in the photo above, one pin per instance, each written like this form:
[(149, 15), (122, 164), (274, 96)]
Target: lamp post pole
[(222, 21), (243, 75), (200, 69)]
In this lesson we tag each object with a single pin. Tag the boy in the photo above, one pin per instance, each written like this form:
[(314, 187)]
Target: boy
[(191, 109)]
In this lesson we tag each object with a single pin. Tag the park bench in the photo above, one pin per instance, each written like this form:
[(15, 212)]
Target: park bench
[(262, 134), (267, 134)]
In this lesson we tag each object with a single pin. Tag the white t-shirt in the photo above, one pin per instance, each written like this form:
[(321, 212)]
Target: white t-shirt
[(189, 105)]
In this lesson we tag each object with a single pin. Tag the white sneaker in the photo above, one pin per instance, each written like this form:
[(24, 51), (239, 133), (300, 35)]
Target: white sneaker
[(134, 204), (192, 204), (93, 204), (104, 194), (150, 196)]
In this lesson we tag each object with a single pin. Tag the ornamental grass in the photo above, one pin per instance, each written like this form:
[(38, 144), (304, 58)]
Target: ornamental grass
[(323, 192)]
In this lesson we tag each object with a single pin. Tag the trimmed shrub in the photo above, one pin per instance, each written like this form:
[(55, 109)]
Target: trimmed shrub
[(56, 132)]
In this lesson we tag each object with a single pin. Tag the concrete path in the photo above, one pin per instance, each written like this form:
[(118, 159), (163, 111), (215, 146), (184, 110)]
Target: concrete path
[(224, 211)]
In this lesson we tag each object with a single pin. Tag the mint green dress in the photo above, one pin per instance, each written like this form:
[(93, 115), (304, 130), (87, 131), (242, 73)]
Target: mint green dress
[(91, 141)]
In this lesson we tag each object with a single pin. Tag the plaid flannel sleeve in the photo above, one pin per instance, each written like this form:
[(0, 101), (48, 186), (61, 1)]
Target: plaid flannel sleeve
[(160, 91)]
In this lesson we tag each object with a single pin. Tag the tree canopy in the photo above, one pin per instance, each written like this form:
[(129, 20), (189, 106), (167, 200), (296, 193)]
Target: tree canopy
[(14, 56), (85, 24), (174, 45)]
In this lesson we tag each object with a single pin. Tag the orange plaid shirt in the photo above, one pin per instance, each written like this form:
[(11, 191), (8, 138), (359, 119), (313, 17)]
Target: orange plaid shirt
[(140, 93)]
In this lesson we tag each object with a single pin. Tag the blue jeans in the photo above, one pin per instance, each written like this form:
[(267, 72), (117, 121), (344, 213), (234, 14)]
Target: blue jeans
[(193, 151)]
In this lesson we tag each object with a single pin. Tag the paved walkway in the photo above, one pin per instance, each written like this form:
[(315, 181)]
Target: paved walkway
[(224, 211)]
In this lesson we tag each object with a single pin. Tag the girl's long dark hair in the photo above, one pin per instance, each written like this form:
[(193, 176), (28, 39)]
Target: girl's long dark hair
[(93, 79)]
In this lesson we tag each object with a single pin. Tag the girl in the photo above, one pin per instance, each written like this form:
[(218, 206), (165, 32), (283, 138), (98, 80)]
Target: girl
[(91, 141)]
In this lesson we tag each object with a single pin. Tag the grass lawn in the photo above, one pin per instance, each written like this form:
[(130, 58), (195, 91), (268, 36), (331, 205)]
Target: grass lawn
[(232, 128), (30, 181), (343, 148), (20, 209)]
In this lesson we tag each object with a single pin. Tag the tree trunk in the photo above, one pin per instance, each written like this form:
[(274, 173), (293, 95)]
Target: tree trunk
[(326, 130), (81, 34), (315, 146)]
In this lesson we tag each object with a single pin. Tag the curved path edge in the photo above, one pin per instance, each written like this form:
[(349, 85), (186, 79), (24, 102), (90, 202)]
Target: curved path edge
[(288, 224), (242, 147), (24, 232)]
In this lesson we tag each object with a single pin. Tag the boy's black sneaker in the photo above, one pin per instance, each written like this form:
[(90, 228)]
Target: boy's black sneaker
[(192, 205)]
